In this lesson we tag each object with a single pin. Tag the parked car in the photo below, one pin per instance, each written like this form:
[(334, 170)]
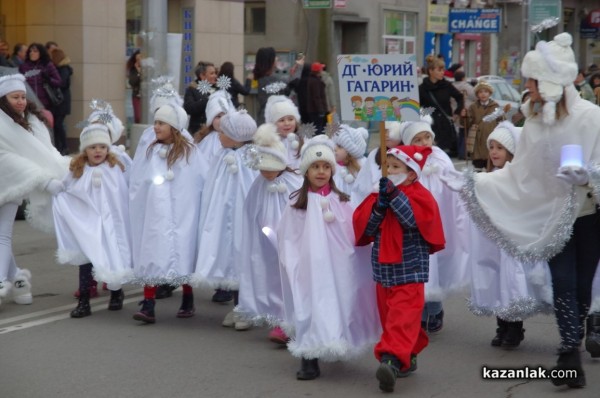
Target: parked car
[(504, 93)]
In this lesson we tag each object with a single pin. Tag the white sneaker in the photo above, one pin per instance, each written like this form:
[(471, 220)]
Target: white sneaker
[(241, 324), (21, 291), (229, 321)]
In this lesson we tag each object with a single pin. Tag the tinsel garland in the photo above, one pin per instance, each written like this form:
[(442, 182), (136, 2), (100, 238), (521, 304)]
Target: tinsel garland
[(518, 309), (482, 220)]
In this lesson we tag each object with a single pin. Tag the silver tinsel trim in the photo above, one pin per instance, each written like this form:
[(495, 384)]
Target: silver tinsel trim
[(427, 111), (593, 170), (498, 113), (332, 129), (481, 219), (32, 73), (518, 310), (257, 320), (251, 156), (224, 82), (175, 281), (307, 130), (204, 87), (545, 24), (274, 88)]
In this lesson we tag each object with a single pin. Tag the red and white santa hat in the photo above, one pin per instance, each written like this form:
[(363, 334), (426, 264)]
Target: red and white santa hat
[(411, 155)]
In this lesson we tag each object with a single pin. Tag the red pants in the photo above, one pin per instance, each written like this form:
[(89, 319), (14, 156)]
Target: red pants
[(400, 309)]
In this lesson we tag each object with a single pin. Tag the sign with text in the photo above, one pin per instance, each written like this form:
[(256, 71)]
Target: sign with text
[(474, 20), (316, 3), (378, 87), (437, 18)]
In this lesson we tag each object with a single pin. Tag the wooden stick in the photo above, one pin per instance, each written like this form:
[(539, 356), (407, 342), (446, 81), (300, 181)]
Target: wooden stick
[(383, 148)]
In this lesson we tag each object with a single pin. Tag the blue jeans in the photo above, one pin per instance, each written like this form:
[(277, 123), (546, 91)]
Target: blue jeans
[(431, 308), (572, 272)]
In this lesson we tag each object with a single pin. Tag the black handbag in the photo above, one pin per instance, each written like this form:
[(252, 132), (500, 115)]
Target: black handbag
[(55, 94)]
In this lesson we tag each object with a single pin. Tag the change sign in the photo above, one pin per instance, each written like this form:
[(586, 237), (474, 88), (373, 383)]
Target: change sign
[(378, 87), (474, 20)]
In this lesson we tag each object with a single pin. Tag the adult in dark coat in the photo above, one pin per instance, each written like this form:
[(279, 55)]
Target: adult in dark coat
[(60, 112), (435, 91), (316, 104), (194, 101), (38, 59)]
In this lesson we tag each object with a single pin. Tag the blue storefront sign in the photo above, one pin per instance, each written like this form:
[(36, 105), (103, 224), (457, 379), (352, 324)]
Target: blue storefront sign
[(475, 20)]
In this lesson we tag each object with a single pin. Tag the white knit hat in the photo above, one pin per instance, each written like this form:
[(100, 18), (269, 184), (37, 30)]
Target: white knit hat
[(108, 118), (411, 129), (553, 65), (92, 134), (507, 135), (272, 152), (394, 132), (218, 102), (279, 106), (238, 125), (172, 114), (10, 83), (317, 148), (353, 140)]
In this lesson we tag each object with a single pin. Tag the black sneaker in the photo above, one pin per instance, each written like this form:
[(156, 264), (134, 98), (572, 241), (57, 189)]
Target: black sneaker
[(412, 367), (116, 300), (187, 308), (387, 373), (222, 296), (146, 313), (435, 323)]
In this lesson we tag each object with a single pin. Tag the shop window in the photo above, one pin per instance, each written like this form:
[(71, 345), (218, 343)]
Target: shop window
[(255, 17), (399, 35)]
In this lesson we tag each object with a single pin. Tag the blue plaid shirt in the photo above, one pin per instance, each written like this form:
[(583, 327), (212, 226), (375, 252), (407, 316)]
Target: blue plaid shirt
[(414, 267)]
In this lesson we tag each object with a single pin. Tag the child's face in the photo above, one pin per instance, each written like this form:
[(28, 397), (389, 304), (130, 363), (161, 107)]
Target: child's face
[(341, 155), (498, 154), (369, 104), (483, 95), (228, 142), (96, 154), (318, 174), (424, 138), (217, 122), (163, 131), (17, 101), (286, 125), (396, 166), (269, 175)]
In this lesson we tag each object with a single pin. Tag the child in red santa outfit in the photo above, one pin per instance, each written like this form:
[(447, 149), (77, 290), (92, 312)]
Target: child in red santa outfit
[(403, 220)]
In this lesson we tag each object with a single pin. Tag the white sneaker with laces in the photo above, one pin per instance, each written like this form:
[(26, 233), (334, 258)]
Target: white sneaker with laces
[(229, 321)]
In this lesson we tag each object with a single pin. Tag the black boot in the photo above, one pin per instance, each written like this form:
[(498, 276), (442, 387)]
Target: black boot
[(164, 291), (116, 300), (187, 306), (387, 372), (500, 332), (309, 369), (146, 313), (514, 334), (569, 360), (83, 306), (592, 340)]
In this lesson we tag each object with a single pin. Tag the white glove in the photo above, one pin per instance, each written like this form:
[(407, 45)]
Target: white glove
[(453, 179), (573, 175), (54, 187)]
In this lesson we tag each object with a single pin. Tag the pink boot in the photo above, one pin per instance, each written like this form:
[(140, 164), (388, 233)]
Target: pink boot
[(277, 335)]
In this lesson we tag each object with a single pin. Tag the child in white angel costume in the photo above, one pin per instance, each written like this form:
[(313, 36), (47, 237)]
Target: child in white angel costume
[(91, 219), (350, 147), (329, 295), (261, 296), (281, 111)]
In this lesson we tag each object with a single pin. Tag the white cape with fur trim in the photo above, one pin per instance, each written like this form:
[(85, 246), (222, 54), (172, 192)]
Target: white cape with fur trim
[(92, 223), (367, 177), (344, 180), (329, 293), (448, 268), (524, 207), (164, 208), (28, 161), (260, 280), (210, 148), (220, 227), (123, 157)]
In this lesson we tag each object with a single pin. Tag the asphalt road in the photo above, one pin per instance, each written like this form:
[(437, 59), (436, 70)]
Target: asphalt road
[(44, 353)]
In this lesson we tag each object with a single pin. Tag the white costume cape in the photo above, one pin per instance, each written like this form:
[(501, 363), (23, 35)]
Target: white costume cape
[(524, 207), (123, 157), (164, 207), (92, 223), (260, 280), (367, 177), (329, 294), (220, 227), (210, 148), (344, 180), (293, 158), (448, 268), (28, 161)]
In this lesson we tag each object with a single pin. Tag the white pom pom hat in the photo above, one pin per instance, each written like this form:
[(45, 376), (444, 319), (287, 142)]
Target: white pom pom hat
[(238, 125), (279, 106), (553, 65), (94, 134), (10, 83), (218, 102), (411, 129), (273, 155), (318, 148), (353, 140), (115, 126), (173, 115), (394, 131), (507, 135)]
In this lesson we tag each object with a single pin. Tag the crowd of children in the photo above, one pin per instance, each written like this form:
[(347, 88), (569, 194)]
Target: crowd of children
[(286, 223)]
